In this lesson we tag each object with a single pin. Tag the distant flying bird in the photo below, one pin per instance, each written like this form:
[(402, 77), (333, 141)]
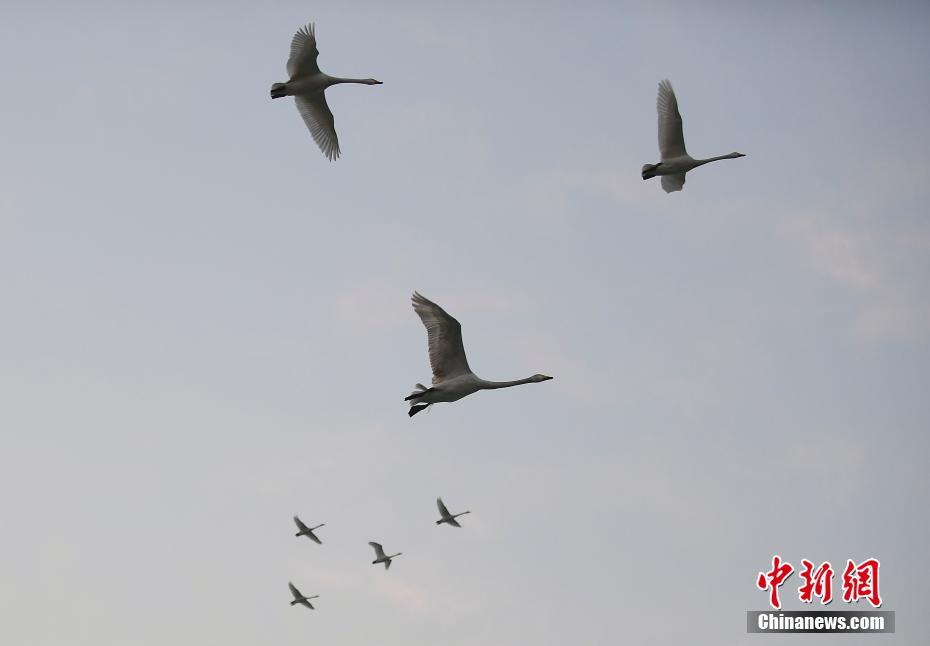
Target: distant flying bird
[(452, 378), (307, 531), (299, 598), (307, 84), (675, 159), (448, 518), (381, 557)]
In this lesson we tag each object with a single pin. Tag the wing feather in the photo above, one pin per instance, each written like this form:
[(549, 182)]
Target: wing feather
[(672, 183), (442, 508), (302, 61), (671, 136), (319, 119), (294, 591), (300, 524), (444, 335), (379, 551)]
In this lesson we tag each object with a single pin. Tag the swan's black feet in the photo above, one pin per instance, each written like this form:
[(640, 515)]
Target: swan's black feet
[(416, 409)]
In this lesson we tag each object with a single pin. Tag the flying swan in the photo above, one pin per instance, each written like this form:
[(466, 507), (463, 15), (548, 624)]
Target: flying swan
[(307, 84), (303, 530), (299, 598), (452, 378), (675, 159), (448, 518), (381, 557)]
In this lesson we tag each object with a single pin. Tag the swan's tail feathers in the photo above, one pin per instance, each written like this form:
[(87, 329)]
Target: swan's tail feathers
[(416, 408), (278, 90), (421, 389), (649, 171)]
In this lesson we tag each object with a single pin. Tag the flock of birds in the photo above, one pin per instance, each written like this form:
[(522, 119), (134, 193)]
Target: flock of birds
[(307, 84), (452, 377), (445, 518)]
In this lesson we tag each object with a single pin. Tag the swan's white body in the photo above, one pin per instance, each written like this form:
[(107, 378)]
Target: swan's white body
[(452, 378), (381, 557), (299, 598), (446, 517), (675, 160), (303, 530), (307, 84)]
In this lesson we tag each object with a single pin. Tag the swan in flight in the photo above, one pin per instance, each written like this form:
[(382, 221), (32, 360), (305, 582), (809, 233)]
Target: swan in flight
[(452, 378), (303, 530), (299, 598), (307, 84), (675, 159), (448, 518), (381, 557)]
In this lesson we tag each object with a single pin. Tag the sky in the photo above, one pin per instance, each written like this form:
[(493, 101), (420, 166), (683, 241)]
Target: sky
[(206, 325)]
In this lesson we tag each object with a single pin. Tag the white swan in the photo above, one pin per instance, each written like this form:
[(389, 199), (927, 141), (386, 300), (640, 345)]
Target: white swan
[(452, 378), (381, 557), (448, 518), (303, 530), (675, 159), (307, 84), (299, 598)]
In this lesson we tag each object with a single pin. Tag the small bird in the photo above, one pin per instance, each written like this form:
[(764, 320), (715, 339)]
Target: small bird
[(452, 378), (448, 518), (307, 84), (299, 598), (381, 557), (675, 159), (307, 531)]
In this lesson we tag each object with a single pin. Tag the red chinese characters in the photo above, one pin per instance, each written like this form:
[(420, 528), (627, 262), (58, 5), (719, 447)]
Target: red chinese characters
[(861, 582), (774, 578), (817, 583)]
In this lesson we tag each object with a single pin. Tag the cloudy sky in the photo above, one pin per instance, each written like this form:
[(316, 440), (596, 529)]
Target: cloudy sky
[(206, 325)]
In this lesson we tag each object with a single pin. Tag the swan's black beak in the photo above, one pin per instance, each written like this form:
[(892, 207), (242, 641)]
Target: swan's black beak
[(545, 378)]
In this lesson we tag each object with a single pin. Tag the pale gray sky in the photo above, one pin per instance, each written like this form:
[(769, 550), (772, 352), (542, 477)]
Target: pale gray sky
[(206, 326)]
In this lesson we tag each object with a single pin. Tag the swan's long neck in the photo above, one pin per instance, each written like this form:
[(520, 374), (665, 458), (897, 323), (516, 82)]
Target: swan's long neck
[(491, 385), (393, 555), (701, 162), (462, 514), (334, 80)]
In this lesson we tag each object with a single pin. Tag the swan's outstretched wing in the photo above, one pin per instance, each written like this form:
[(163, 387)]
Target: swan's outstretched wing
[(442, 508), (379, 551), (671, 137), (300, 525), (302, 61), (319, 119), (313, 537), (444, 333), (387, 564), (672, 183), (295, 591)]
